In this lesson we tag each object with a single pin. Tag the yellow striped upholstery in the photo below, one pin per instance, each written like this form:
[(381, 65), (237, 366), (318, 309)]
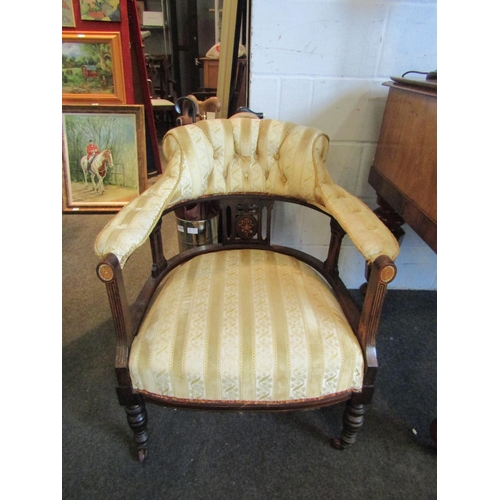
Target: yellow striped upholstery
[(241, 155), (245, 325)]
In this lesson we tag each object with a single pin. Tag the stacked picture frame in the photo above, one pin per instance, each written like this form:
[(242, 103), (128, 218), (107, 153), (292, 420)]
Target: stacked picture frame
[(103, 136)]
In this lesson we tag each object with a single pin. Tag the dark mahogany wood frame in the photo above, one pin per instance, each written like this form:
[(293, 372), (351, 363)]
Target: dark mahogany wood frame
[(245, 222)]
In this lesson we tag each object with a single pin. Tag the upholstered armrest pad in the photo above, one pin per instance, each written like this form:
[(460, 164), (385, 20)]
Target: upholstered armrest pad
[(131, 227), (243, 155), (367, 232)]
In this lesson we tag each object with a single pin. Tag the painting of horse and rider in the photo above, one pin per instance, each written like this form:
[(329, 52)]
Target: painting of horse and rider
[(103, 157)]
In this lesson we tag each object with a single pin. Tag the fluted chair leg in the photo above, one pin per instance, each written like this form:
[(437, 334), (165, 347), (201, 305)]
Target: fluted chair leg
[(352, 420), (137, 419)]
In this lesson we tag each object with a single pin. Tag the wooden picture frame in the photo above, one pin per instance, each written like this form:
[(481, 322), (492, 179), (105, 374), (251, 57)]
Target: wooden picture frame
[(92, 68), (68, 14), (118, 173), (100, 10)]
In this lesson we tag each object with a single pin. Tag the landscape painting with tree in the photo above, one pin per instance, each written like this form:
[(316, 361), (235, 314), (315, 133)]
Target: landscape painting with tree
[(92, 68), (103, 157), (100, 10)]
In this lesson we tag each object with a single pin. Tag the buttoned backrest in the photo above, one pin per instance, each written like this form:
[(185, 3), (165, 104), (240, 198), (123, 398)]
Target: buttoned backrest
[(245, 155), (248, 155)]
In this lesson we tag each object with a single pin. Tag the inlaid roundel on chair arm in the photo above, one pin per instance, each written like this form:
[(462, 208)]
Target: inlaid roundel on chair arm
[(240, 323)]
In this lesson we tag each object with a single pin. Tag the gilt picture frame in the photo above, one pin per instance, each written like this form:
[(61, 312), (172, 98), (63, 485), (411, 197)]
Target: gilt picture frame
[(103, 157), (92, 68), (100, 10), (68, 14)]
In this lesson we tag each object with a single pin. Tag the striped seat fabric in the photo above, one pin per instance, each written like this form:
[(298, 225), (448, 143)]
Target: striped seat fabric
[(245, 325)]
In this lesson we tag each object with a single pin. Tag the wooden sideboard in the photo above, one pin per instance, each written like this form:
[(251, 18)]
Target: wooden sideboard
[(211, 75), (404, 172)]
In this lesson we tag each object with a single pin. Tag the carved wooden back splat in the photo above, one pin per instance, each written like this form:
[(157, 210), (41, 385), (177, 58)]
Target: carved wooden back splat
[(246, 219)]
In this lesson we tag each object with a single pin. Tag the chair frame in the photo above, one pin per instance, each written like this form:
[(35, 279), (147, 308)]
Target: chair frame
[(256, 211)]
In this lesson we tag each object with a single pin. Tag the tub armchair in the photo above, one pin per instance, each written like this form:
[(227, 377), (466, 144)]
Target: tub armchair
[(241, 323)]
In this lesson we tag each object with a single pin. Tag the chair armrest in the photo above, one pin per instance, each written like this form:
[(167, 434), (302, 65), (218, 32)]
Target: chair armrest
[(370, 236), (185, 178), (109, 272), (303, 154), (382, 272), (130, 228)]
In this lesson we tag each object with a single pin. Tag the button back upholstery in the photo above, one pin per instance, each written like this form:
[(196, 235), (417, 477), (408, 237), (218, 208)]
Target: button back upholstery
[(243, 323), (243, 155)]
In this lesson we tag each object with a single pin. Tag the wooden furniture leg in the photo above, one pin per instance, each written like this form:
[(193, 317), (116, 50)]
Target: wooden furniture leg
[(137, 419), (393, 222), (352, 420), (390, 218)]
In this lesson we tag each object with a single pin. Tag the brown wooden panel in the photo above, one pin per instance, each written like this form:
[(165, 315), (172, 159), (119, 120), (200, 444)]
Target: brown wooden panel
[(211, 75), (425, 227), (210, 72), (406, 153)]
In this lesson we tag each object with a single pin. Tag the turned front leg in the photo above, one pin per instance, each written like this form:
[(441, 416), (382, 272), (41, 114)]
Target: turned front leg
[(137, 419), (352, 420)]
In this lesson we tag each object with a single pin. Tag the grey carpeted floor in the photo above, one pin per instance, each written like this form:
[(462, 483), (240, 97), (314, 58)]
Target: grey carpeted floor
[(205, 455)]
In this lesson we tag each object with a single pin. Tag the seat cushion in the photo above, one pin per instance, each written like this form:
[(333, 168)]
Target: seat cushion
[(245, 325)]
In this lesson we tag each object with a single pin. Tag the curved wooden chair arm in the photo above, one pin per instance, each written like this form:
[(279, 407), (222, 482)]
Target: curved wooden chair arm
[(110, 273), (382, 272)]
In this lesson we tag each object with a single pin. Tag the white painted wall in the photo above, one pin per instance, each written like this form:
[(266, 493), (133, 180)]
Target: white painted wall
[(322, 63)]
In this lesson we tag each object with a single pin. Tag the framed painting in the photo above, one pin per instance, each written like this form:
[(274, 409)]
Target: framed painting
[(92, 68), (68, 15), (104, 157), (100, 10)]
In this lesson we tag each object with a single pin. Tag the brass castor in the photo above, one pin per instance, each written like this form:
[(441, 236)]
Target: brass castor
[(142, 454), (337, 444)]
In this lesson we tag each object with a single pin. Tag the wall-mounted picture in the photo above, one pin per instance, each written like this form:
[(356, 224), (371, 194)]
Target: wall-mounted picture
[(104, 157), (100, 10), (68, 15), (92, 68)]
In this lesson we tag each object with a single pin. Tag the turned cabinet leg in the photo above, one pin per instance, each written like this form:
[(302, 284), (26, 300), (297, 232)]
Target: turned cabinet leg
[(137, 419), (393, 222), (353, 420), (390, 218)]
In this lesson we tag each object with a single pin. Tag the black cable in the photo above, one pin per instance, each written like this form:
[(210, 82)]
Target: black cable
[(418, 72)]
